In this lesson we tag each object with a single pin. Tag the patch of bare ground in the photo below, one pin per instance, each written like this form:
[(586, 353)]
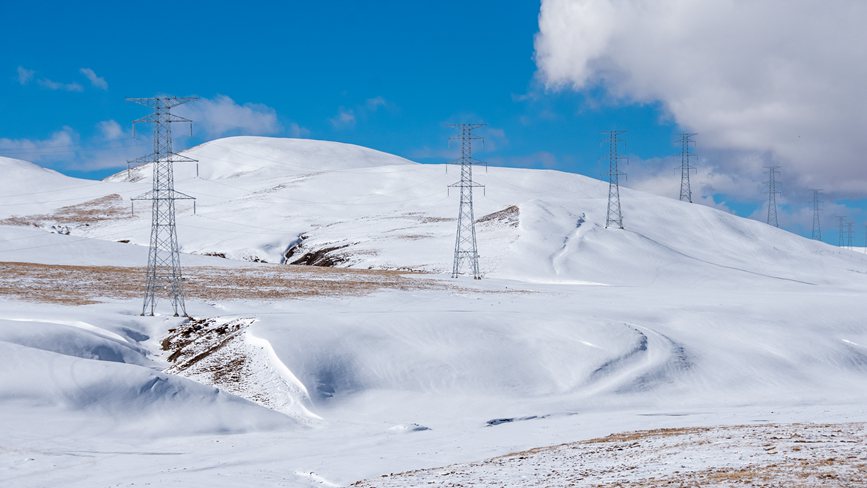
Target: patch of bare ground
[(109, 207), (81, 285), (216, 351), (763, 455), (507, 216)]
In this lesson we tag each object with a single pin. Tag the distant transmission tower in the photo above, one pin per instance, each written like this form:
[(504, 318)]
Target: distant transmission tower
[(686, 141), (615, 213), (841, 235), (164, 264), (772, 196), (850, 235), (466, 251), (817, 215)]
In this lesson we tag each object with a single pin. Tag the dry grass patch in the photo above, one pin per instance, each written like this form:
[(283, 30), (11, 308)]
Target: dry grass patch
[(81, 285), (109, 207)]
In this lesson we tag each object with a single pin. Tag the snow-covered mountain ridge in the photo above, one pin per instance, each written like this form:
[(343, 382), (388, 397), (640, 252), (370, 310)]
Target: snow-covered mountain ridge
[(318, 202)]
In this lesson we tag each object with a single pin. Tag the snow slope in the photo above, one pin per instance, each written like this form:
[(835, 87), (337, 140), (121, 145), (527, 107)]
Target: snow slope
[(261, 197), (688, 317)]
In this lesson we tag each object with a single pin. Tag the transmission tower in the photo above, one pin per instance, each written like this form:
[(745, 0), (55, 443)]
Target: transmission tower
[(817, 215), (850, 235), (466, 251), (841, 235), (687, 140), (164, 265), (772, 196), (615, 213)]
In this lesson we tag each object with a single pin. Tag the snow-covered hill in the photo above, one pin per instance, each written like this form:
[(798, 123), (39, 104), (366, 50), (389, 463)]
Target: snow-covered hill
[(688, 317), (289, 200)]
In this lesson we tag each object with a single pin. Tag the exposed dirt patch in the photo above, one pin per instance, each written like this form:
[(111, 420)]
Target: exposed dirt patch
[(767, 455), (80, 285), (507, 216), (325, 256), (434, 220), (217, 351), (109, 207)]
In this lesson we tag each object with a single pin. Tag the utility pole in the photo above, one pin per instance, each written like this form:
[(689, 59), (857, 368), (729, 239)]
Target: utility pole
[(164, 265), (817, 217), (466, 251), (686, 141), (772, 196), (615, 213)]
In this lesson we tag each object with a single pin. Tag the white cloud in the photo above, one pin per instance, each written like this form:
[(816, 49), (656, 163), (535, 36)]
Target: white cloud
[(25, 75), (779, 79), (96, 81), (56, 85), (375, 103), (61, 145), (296, 130), (348, 118), (110, 130), (344, 119), (221, 116)]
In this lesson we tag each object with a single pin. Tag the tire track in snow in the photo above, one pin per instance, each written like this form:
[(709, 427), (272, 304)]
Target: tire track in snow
[(654, 358)]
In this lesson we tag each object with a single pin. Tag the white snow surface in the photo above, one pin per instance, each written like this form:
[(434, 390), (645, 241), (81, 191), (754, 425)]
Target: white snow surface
[(688, 317)]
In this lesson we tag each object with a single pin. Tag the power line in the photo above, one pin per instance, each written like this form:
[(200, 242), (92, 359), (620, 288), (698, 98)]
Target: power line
[(164, 264), (466, 250)]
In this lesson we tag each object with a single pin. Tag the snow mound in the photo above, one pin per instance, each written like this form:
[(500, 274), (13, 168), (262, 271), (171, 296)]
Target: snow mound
[(270, 157), (24, 178)]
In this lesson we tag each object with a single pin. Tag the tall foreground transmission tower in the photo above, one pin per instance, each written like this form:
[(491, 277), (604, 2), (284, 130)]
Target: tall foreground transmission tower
[(817, 215), (164, 264), (772, 196), (466, 251), (686, 141), (615, 213)]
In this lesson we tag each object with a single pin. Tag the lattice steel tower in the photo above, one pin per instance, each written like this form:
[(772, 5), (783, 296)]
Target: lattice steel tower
[(772, 196), (164, 264), (841, 233), (850, 235), (817, 215), (615, 213), (466, 251), (686, 141)]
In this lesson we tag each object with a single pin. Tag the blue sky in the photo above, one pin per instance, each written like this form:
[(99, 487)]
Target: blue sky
[(387, 74)]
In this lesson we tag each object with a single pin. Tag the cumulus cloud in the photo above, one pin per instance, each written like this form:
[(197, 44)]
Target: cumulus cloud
[(60, 145), (778, 79), (221, 116), (96, 81)]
